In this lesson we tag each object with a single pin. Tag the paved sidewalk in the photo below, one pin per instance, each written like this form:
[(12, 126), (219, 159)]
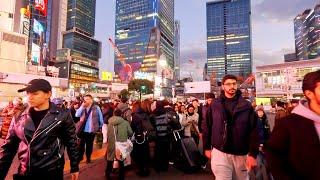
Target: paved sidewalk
[(97, 154)]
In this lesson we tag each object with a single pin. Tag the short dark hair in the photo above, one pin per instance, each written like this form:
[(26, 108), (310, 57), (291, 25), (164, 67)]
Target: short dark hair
[(280, 103), (190, 106), (229, 76), (88, 95), (195, 100), (310, 81), (117, 112), (210, 96), (124, 99)]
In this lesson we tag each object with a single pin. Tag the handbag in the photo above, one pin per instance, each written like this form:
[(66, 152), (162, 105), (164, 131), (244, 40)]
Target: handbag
[(122, 149), (98, 140), (81, 124)]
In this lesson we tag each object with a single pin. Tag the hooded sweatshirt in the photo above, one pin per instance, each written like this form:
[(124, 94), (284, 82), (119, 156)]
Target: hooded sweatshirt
[(304, 110), (123, 132), (124, 107)]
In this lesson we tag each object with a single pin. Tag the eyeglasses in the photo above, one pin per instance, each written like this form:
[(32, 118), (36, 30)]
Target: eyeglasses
[(230, 84)]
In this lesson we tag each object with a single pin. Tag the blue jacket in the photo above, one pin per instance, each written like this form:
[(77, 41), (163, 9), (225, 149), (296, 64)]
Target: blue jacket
[(244, 134), (94, 121)]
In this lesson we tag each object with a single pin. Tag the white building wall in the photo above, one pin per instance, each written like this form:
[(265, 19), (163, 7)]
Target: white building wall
[(13, 52), (7, 8), (62, 22)]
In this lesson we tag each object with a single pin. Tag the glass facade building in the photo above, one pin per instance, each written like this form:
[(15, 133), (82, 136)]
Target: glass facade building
[(229, 38), (138, 40), (81, 15), (177, 49), (86, 46), (307, 34), (84, 51)]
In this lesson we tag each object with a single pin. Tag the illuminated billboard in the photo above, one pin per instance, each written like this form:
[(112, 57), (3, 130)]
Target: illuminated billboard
[(42, 6), (106, 76), (126, 70), (35, 53), (37, 27)]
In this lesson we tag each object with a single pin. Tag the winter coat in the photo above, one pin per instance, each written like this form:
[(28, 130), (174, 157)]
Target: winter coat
[(94, 121), (141, 123), (293, 149), (164, 122), (107, 113), (243, 129), (42, 149), (263, 130), (280, 113), (126, 111), (189, 121), (206, 127), (8, 114), (73, 114), (123, 132)]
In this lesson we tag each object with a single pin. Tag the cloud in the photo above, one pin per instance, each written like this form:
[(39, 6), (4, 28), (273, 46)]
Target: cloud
[(265, 57), (197, 52), (280, 10)]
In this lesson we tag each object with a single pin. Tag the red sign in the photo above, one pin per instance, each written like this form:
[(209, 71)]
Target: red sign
[(41, 5)]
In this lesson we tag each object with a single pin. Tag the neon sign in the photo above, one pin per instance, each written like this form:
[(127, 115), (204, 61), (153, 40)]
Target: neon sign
[(41, 5)]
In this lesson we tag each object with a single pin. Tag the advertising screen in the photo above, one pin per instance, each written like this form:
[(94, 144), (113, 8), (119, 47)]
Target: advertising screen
[(35, 53), (41, 5), (106, 76), (37, 27), (126, 71)]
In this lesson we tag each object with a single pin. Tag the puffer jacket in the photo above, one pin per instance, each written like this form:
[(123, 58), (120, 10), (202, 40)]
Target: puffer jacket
[(243, 129), (123, 131), (164, 122), (42, 149)]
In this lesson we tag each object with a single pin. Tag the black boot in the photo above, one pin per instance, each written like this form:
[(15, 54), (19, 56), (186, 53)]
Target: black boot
[(108, 170)]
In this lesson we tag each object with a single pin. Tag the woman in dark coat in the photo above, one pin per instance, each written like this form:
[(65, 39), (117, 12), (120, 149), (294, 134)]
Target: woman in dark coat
[(142, 129)]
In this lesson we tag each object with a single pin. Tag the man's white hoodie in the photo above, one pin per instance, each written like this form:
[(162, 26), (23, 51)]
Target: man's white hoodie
[(304, 110)]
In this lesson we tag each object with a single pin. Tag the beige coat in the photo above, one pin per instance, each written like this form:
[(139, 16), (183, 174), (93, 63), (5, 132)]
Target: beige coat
[(188, 121)]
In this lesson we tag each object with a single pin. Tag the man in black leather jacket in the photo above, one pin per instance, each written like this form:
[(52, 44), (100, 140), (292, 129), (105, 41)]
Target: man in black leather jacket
[(39, 134)]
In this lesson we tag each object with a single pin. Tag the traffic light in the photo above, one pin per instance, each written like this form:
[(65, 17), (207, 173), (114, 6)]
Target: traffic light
[(143, 89)]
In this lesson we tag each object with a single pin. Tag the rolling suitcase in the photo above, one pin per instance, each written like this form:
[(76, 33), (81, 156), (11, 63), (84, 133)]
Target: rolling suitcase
[(190, 159)]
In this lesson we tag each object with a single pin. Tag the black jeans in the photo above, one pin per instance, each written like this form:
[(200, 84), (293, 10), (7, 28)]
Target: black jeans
[(141, 156), (86, 144), (162, 155), (109, 170)]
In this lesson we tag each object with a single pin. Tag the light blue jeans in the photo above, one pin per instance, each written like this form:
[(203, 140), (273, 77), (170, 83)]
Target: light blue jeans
[(228, 167)]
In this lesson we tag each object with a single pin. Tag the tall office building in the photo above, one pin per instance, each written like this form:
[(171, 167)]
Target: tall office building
[(79, 58), (144, 33), (307, 34), (57, 26), (177, 50), (229, 38)]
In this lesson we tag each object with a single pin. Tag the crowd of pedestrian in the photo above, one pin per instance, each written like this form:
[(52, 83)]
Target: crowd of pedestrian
[(229, 130)]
